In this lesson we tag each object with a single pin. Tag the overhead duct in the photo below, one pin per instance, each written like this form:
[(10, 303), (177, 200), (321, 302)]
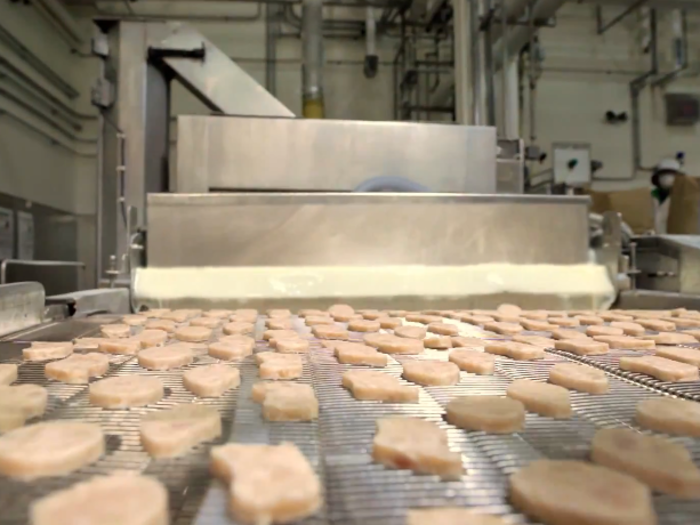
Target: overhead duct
[(62, 18), (312, 60), (519, 35)]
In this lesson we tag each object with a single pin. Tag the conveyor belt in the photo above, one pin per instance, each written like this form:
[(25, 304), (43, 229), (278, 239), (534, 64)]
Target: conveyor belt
[(338, 445)]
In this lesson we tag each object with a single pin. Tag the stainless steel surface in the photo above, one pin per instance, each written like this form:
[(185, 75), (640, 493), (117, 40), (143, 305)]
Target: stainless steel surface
[(655, 300), (364, 229), (135, 135), (312, 50), (19, 262), (338, 445), (21, 305), (669, 263), (510, 166), (216, 80), (330, 155), (102, 300)]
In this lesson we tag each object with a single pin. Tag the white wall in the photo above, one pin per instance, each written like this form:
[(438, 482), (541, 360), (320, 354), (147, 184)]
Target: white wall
[(32, 166), (571, 102)]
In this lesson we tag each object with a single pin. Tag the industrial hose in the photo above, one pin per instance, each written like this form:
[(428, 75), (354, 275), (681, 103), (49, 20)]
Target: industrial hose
[(388, 183)]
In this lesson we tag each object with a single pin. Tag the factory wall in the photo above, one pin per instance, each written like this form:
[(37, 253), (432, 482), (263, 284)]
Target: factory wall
[(584, 75)]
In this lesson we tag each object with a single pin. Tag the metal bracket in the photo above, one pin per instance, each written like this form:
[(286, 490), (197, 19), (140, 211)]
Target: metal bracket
[(197, 53)]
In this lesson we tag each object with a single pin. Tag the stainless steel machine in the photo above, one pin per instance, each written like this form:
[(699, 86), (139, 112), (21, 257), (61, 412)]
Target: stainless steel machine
[(260, 212)]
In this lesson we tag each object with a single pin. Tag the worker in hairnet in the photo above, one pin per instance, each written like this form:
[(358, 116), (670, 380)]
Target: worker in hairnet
[(662, 179)]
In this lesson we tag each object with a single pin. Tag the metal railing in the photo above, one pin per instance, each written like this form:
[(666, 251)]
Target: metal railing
[(22, 262)]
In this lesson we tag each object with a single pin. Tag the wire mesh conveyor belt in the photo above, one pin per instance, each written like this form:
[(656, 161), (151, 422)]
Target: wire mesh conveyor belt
[(338, 445)]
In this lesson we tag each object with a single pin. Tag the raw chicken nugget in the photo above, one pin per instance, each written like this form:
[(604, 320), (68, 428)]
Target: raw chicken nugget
[(625, 342), (155, 312), (505, 318), (126, 391), (579, 377), (660, 368), (669, 415), (8, 374), (276, 323), (315, 320), (417, 445), (252, 314), (276, 312), (589, 320), (537, 315), (134, 320), (211, 380), (594, 330), (670, 338), (656, 325), (373, 339), (658, 462), (541, 398), (170, 433), (206, 322), (261, 389), (537, 326), (371, 315), (509, 309), (359, 354), (54, 448), (88, 343), (326, 331), (534, 340), (473, 361), (282, 404), (218, 313), (411, 332), (517, 351), (579, 493), (106, 500), (369, 385), (43, 351), (503, 328), (229, 350), (564, 321), (193, 334), (493, 414), (310, 311), (390, 322), (629, 328), (77, 368), (582, 346), (279, 366), (149, 338), (279, 334), (126, 346), (341, 312), (443, 328), (165, 357), (358, 325), (398, 345), (268, 483), (684, 355), (29, 400), (451, 516), (438, 342), (116, 330), (161, 324), (568, 333), (468, 342), (291, 346), (431, 373)]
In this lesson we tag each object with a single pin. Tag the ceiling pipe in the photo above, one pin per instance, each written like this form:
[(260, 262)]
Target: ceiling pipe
[(371, 59), (63, 19), (312, 55)]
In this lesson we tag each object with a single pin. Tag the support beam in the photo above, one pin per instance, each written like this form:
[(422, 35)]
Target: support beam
[(463, 66), (605, 26)]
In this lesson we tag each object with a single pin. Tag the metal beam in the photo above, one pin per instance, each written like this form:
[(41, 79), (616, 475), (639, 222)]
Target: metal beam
[(603, 26)]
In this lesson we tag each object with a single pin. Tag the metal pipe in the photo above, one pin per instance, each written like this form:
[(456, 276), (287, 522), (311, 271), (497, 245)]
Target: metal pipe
[(312, 52), (30, 108), (504, 71), (37, 64), (52, 140), (382, 4), (532, 76), (22, 262), (477, 71), (63, 19), (680, 50), (271, 31), (489, 70), (463, 68), (603, 27)]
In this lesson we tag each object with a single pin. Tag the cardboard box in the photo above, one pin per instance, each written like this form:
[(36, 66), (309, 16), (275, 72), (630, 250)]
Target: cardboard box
[(684, 211), (636, 207)]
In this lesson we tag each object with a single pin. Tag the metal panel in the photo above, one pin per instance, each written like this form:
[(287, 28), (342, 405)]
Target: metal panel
[(330, 155), (216, 80), (364, 229), (21, 305)]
